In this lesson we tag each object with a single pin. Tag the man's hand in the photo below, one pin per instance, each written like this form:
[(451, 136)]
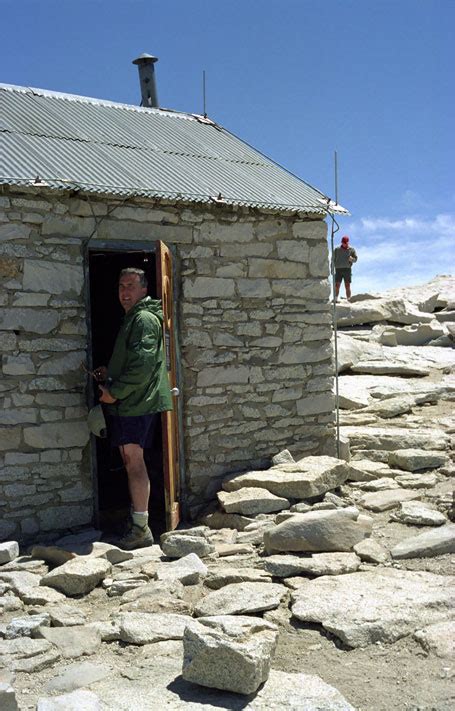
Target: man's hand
[(105, 396), (100, 373)]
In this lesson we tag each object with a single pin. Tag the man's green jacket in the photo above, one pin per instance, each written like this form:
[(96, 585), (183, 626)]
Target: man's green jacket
[(137, 368)]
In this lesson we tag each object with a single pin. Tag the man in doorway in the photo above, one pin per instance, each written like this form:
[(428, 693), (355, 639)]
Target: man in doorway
[(135, 390), (344, 257)]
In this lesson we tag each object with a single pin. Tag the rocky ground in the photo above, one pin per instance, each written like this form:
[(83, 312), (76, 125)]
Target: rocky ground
[(319, 583)]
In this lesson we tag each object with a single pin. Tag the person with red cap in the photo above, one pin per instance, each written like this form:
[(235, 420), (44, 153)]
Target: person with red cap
[(344, 257)]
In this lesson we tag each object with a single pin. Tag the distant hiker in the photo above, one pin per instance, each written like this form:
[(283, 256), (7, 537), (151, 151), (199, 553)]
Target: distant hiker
[(343, 258), (135, 390)]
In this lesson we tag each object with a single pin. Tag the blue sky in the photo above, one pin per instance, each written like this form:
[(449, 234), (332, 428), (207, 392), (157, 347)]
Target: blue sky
[(298, 79)]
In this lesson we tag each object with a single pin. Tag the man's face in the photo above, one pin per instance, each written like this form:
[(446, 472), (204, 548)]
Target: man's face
[(130, 291)]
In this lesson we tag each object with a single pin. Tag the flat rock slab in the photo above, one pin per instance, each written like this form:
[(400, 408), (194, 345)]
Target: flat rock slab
[(393, 438), (77, 675), (382, 484), (143, 628), (73, 642), (219, 519), (307, 478), (286, 566), (380, 606), (418, 514), (66, 615), (390, 367), (241, 598), (41, 595), (438, 639), (250, 501), (297, 692), (319, 531), (414, 459), (229, 653), (412, 480), (27, 655), (222, 577), (389, 499), (367, 470), (78, 576), (81, 700), (438, 541)]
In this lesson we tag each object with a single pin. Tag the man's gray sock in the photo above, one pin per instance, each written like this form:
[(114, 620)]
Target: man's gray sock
[(140, 518)]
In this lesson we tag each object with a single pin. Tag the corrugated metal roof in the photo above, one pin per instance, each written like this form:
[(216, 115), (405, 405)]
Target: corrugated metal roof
[(116, 149)]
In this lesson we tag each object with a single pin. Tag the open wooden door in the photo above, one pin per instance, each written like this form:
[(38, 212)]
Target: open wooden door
[(169, 420)]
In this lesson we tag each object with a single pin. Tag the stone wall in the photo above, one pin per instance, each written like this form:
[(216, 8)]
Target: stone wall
[(254, 335)]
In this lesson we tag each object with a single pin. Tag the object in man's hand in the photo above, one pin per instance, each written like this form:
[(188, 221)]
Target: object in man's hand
[(105, 396)]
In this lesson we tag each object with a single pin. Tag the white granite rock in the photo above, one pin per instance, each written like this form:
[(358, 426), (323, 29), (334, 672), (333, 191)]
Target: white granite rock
[(250, 501), (413, 480), (418, 514), (78, 576), (393, 438), (229, 653), (9, 550), (80, 700), (73, 642), (381, 606), (241, 598), (414, 459), (26, 626), (309, 477), (297, 692), (319, 531), (143, 628), (228, 575), (285, 566), (371, 551), (282, 457), (188, 570), (177, 544), (77, 675), (428, 544), (388, 499), (438, 639), (27, 655)]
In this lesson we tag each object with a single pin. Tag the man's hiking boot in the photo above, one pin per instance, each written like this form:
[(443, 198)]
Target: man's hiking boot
[(136, 537)]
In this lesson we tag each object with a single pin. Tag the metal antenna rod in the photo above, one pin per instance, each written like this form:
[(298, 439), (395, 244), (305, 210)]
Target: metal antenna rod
[(203, 93), (335, 332)]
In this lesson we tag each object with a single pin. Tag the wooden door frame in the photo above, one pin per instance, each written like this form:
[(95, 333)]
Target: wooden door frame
[(125, 246)]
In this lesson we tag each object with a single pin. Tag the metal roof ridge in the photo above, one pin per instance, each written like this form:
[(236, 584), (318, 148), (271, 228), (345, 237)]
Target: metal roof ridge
[(48, 93)]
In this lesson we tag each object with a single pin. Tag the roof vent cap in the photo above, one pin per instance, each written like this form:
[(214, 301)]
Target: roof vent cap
[(145, 64)]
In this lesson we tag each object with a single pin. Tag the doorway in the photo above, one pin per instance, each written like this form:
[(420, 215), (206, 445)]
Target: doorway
[(105, 317)]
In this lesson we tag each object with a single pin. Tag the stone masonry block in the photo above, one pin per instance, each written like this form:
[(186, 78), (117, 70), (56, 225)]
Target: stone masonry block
[(215, 232), (57, 435), (51, 277), (207, 287), (310, 229), (31, 320), (293, 251)]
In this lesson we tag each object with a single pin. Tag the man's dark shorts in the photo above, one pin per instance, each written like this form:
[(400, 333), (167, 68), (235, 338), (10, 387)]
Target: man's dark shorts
[(343, 273), (137, 429)]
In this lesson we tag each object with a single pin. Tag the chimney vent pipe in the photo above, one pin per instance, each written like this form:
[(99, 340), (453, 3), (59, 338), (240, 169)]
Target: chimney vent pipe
[(145, 64)]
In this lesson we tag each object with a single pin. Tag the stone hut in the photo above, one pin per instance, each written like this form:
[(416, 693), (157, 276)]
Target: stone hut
[(234, 244)]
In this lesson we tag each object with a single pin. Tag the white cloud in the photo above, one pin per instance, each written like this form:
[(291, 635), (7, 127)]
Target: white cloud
[(399, 252)]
